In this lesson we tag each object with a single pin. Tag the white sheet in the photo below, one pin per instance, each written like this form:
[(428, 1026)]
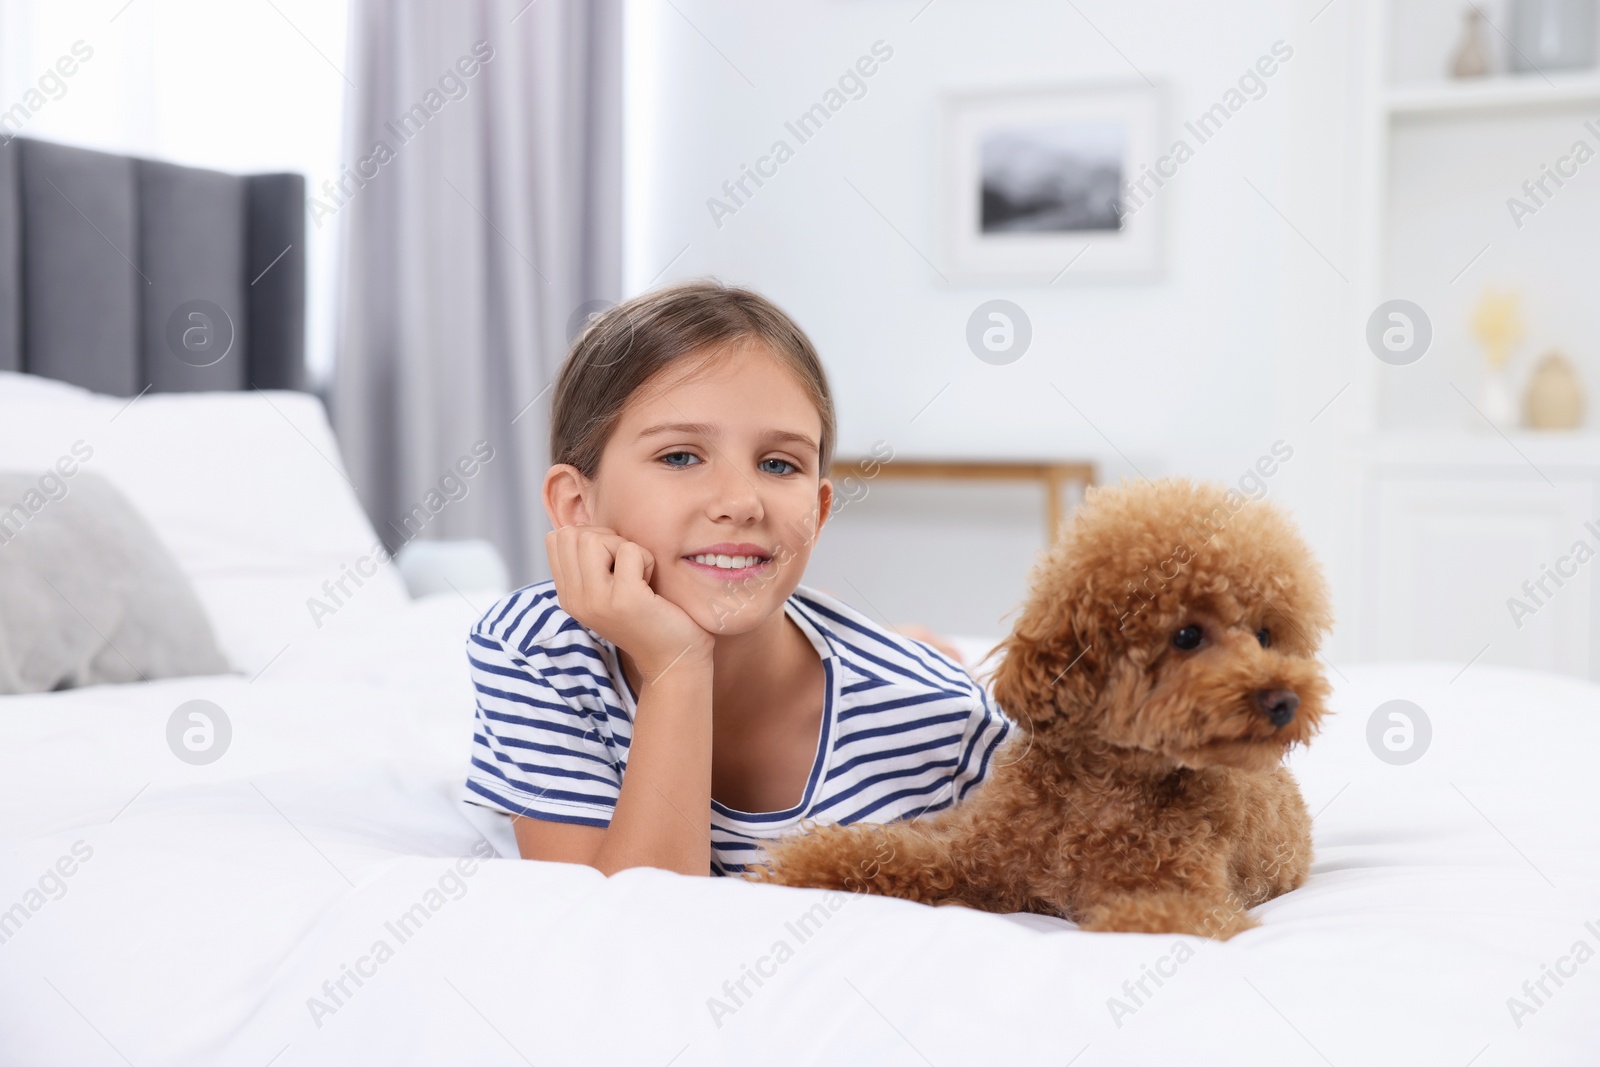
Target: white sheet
[(219, 898)]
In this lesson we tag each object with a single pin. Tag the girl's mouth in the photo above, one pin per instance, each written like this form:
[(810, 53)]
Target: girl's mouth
[(728, 568)]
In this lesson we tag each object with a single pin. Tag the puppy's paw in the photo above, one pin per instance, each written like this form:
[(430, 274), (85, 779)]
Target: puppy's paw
[(826, 857), (1166, 913)]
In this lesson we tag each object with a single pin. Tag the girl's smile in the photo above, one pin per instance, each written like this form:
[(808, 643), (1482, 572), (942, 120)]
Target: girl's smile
[(728, 561)]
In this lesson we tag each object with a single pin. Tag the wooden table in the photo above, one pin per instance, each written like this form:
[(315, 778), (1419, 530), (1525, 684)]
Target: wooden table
[(1054, 476)]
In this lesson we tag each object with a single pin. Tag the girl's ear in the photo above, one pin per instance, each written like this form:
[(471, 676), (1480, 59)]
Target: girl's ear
[(824, 505), (566, 496)]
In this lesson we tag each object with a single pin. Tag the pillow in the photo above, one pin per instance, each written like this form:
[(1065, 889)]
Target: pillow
[(88, 594), (24, 387), (471, 565), (247, 490)]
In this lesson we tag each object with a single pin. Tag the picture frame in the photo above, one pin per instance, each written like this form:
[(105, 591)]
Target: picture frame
[(1049, 184)]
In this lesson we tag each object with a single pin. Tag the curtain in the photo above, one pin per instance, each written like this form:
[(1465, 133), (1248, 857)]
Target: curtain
[(481, 200)]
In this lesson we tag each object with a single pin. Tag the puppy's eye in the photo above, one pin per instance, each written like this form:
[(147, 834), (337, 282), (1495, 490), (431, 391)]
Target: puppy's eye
[(1264, 635), (1187, 639)]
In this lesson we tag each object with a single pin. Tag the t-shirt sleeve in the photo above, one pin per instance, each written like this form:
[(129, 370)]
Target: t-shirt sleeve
[(539, 745), (987, 727)]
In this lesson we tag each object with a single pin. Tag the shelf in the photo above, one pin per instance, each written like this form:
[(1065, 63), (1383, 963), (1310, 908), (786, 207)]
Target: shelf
[(1481, 447), (1527, 92)]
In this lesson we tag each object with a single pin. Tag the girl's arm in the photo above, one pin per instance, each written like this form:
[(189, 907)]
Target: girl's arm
[(662, 814), (662, 818), (557, 842), (668, 778)]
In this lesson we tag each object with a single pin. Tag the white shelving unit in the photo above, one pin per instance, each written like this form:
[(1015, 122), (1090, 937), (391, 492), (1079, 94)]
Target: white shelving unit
[(1505, 93), (1453, 516)]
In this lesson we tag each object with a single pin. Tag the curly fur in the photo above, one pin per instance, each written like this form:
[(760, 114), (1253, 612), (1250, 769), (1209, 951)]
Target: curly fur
[(1144, 788)]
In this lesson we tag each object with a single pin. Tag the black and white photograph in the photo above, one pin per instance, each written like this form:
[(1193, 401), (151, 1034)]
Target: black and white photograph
[(1046, 179), (1038, 178)]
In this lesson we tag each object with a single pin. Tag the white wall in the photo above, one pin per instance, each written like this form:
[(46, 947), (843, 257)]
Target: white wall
[(1198, 373)]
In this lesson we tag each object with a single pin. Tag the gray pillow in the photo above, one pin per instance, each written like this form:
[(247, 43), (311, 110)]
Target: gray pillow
[(88, 593)]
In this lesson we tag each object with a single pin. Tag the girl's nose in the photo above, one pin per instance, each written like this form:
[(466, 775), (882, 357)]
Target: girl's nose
[(736, 495)]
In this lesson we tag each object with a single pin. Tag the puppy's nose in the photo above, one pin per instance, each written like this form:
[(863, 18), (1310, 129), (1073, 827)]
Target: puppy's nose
[(1279, 704)]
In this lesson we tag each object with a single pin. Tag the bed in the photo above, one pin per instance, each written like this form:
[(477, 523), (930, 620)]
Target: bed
[(318, 892)]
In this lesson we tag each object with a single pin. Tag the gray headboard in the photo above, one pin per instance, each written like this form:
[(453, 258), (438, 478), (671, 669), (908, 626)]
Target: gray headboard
[(112, 269)]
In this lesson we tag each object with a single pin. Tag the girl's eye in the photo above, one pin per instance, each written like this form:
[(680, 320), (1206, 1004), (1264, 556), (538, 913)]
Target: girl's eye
[(785, 462), (1187, 639), (668, 457), (1264, 636)]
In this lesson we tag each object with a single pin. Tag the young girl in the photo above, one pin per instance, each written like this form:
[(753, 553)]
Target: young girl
[(673, 695)]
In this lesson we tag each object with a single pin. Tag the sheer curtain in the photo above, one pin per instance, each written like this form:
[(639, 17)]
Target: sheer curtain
[(481, 203)]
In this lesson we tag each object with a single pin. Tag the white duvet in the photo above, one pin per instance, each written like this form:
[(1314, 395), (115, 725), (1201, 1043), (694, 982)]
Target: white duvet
[(314, 896)]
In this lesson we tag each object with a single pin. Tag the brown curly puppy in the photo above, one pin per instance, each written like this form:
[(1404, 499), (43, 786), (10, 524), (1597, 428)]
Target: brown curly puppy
[(1163, 664)]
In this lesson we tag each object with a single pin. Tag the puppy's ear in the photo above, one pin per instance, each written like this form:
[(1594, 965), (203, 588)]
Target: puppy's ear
[(1051, 665)]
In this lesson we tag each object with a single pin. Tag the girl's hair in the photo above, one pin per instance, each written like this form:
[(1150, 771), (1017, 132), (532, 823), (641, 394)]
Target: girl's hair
[(630, 343)]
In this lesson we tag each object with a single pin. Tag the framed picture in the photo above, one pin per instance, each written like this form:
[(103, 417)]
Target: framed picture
[(1053, 184)]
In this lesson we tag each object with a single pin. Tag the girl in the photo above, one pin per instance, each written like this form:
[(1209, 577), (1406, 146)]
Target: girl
[(673, 695)]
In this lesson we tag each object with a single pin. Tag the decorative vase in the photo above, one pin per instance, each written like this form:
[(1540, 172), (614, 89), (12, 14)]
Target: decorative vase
[(1552, 35), (1499, 404), (1497, 324), (1554, 400), (1471, 59)]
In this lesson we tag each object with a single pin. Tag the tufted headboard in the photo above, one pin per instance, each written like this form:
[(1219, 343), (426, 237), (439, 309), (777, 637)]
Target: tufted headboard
[(120, 274)]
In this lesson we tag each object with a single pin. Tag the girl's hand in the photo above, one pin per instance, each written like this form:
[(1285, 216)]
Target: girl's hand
[(602, 580)]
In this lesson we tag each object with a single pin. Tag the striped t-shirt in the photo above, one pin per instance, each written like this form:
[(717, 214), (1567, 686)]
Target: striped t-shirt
[(905, 730)]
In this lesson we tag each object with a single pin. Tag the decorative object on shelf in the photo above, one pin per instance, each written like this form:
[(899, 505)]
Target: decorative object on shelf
[(1554, 400), (1033, 179), (1497, 324), (1552, 35), (1471, 59)]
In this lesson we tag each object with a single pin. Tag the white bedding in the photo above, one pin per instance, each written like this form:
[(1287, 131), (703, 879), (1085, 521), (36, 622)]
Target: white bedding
[(245, 489), (218, 899)]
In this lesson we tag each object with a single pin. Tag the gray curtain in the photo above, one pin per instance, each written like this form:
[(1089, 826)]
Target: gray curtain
[(480, 206)]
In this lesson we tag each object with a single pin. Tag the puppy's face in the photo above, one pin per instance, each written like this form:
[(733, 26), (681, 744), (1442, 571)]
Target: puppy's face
[(1177, 619), (1217, 681)]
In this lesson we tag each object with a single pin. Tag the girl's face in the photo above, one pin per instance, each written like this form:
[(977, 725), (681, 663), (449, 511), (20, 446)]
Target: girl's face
[(716, 458)]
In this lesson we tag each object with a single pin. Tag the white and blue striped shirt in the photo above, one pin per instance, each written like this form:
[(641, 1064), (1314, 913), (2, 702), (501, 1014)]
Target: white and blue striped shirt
[(905, 730)]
